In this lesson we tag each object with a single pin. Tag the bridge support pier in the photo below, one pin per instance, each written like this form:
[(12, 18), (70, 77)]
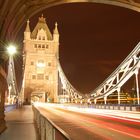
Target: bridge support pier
[(137, 87)]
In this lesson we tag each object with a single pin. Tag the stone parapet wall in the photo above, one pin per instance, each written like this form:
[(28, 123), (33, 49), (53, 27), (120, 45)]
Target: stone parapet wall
[(3, 88), (46, 128)]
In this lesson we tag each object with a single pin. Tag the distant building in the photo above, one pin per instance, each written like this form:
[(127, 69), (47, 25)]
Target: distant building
[(41, 53)]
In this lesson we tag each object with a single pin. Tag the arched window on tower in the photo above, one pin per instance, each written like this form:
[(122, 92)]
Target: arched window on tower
[(39, 38), (39, 46), (43, 37), (43, 46)]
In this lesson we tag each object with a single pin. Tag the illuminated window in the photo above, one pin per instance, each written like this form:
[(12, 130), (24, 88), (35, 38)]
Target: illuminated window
[(40, 64), (40, 76), (33, 76)]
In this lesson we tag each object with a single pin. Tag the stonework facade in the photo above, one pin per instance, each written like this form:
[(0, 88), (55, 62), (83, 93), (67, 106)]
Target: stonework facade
[(41, 54)]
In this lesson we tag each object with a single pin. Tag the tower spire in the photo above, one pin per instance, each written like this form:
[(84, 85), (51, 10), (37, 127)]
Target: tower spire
[(42, 19), (27, 31), (56, 29), (27, 26)]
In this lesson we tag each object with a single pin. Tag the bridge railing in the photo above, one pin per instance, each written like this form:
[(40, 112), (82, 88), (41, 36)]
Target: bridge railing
[(47, 129), (10, 107), (117, 107), (123, 107)]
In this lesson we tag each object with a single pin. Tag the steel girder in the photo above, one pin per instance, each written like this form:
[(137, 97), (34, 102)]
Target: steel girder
[(70, 90), (120, 76), (11, 77)]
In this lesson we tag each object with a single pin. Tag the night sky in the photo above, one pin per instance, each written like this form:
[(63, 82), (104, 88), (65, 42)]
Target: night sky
[(94, 39)]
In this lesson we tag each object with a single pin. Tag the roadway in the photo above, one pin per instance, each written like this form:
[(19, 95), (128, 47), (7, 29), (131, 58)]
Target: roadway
[(81, 124)]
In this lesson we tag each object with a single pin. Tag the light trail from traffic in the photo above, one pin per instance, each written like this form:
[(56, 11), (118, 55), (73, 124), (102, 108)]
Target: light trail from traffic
[(84, 124)]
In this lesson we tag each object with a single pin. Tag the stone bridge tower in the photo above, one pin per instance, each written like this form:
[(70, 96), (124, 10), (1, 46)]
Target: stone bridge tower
[(41, 53)]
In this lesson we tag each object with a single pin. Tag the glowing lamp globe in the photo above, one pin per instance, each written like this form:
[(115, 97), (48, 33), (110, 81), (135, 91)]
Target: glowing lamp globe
[(11, 50)]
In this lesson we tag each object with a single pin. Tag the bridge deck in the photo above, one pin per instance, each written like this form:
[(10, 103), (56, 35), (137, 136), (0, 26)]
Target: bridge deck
[(20, 125)]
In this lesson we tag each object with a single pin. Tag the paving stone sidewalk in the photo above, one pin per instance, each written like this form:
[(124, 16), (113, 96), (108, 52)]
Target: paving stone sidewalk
[(20, 125)]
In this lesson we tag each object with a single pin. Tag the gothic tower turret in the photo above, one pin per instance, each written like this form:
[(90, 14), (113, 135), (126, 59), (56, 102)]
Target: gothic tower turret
[(56, 33), (56, 40), (27, 32), (41, 60)]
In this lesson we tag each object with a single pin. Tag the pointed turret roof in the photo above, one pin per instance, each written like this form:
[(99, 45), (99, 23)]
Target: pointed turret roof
[(41, 25), (27, 26), (56, 29)]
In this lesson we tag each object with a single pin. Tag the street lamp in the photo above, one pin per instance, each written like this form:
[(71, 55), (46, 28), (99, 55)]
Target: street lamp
[(11, 49)]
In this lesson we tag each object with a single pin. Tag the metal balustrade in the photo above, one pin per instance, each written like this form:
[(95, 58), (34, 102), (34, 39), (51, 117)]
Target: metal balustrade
[(124, 107), (47, 129), (10, 107)]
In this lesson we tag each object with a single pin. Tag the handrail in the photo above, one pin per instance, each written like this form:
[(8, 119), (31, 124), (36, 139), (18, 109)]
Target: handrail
[(41, 120)]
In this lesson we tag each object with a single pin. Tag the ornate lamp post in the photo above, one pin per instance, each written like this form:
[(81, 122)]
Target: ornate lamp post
[(11, 73)]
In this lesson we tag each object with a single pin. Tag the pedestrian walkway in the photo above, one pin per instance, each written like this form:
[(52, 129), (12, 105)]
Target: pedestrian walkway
[(20, 125)]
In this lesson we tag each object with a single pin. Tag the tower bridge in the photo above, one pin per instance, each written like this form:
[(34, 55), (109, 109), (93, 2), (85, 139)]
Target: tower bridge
[(44, 79)]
